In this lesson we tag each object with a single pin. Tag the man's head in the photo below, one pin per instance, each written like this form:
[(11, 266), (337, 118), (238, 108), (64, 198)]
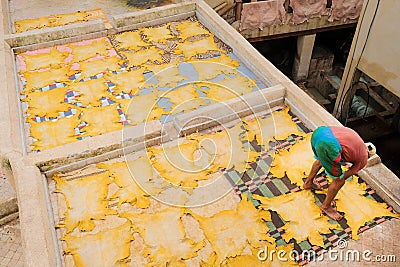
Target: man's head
[(327, 150)]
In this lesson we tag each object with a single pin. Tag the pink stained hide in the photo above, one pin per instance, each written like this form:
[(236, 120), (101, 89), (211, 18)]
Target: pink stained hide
[(303, 10), (262, 14), (345, 9)]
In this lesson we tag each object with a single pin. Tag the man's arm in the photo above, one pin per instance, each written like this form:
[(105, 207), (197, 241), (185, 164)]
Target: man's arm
[(356, 167), (309, 184), (314, 170)]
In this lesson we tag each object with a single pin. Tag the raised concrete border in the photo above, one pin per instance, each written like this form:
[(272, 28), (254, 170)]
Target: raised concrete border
[(55, 33), (95, 146), (8, 207), (35, 215), (152, 16), (384, 181)]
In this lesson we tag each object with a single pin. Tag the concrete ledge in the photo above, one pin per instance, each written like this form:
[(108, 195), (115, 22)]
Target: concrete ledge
[(154, 22), (9, 218), (8, 206), (223, 112), (385, 183), (373, 160), (50, 34), (308, 111), (132, 18)]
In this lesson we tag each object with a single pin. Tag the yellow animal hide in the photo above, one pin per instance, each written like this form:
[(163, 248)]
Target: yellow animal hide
[(167, 74), (303, 217), (110, 247), (230, 231), (94, 67), (53, 133), (181, 94), (211, 68), (37, 80), (135, 184), (227, 88), (92, 191), (141, 56), (157, 34), (359, 209), (52, 59), (189, 49), (177, 164), (69, 18), (101, 120), (48, 103), (227, 150), (190, 28), (90, 92), (130, 81), (31, 24), (142, 108), (97, 47), (295, 162), (130, 41), (164, 236), (279, 125)]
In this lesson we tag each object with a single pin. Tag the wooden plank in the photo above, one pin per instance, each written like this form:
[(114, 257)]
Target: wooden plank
[(287, 29), (378, 99), (300, 33)]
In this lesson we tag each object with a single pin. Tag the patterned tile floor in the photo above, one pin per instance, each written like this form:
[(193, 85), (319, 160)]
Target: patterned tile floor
[(11, 254), (10, 233), (6, 190)]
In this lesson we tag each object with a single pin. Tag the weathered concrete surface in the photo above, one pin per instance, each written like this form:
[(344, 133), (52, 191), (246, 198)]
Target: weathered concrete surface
[(22, 9), (127, 19), (11, 253), (385, 182), (50, 34), (8, 198), (35, 226)]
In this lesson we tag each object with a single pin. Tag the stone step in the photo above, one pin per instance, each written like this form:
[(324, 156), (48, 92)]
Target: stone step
[(8, 199)]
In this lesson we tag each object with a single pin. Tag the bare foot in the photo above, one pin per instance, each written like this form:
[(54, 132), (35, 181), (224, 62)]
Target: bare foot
[(331, 213), (313, 185)]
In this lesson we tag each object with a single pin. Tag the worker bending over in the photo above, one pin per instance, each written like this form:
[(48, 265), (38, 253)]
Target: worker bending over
[(333, 145)]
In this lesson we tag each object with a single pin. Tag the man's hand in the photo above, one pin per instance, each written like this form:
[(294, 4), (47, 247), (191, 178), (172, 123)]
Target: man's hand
[(309, 183)]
